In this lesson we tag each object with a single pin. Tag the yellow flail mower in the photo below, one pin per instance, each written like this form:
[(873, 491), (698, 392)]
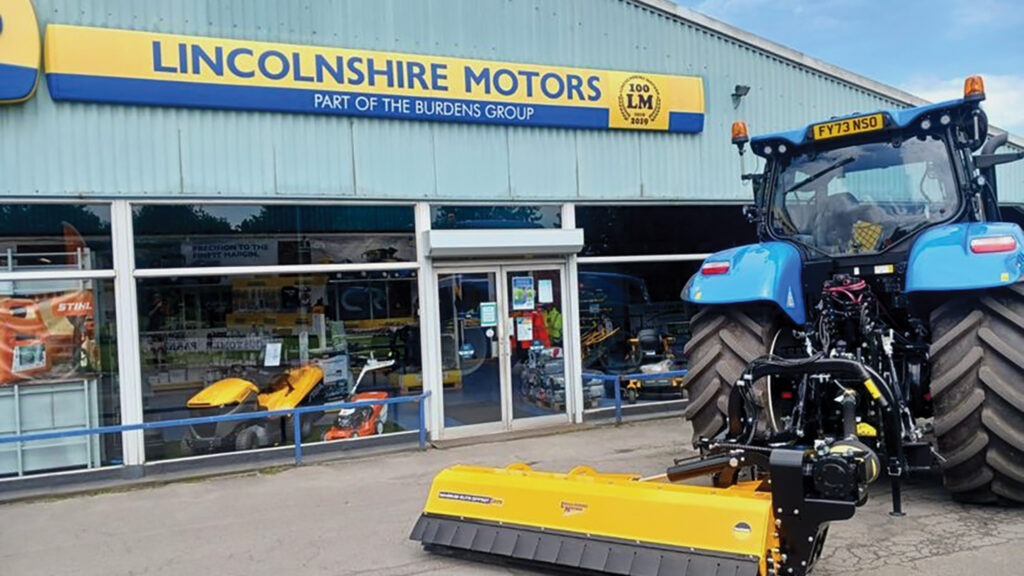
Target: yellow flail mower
[(773, 523)]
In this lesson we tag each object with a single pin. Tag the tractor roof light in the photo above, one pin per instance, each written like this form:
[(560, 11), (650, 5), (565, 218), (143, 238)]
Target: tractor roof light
[(993, 244), (714, 268), (740, 136), (974, 88), (739, 133)]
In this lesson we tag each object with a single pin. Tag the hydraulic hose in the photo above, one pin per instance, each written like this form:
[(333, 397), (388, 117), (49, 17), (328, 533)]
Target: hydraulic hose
[(876, 386)]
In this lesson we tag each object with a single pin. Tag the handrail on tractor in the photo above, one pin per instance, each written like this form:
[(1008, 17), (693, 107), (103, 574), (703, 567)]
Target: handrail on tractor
[(296, 422)]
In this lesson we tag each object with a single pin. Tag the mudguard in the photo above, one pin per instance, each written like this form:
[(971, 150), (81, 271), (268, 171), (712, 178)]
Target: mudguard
[(765, 272), (941, 258)]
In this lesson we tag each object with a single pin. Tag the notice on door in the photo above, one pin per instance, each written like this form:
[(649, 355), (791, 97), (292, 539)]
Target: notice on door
[(488, 314), (523, 294), (545, 292), (524, 329)]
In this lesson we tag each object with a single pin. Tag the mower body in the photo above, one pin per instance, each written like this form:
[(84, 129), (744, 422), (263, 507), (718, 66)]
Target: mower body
[(361, 421), (238, 395)]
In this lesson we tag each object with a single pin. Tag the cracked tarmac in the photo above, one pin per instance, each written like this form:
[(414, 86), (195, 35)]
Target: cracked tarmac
[(353, 517)]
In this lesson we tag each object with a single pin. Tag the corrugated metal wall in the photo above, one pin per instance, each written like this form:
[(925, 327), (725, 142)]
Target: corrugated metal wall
[(69, 149)]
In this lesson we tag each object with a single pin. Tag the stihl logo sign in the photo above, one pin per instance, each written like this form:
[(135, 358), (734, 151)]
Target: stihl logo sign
[(68, 307), (77, 305)]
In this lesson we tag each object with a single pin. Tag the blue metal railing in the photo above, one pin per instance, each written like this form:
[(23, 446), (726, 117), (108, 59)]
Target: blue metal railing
[(296, 422), (620, 378)]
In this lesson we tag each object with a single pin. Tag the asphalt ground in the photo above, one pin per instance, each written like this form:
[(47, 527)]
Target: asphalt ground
[(354, 516)]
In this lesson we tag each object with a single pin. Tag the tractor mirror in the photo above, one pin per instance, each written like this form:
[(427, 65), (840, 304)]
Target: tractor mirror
[(986, 161)]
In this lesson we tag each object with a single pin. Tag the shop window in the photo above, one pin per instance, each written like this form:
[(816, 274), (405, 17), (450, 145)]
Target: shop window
[(54, 237), (58, 372), (647, 230), (632, 320), (180, 236), (495, 217), (233, 344)]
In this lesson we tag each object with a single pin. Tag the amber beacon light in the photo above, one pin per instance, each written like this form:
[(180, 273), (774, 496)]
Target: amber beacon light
[(974, 88)]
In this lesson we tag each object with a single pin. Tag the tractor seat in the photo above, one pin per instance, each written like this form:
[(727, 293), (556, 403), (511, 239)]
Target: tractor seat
[(649, 341)]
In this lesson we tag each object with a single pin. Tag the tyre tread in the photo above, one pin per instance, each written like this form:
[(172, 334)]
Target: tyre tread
[(978, 371)]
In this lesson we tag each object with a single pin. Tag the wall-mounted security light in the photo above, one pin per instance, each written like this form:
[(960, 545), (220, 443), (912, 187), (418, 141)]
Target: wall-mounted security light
[(738, 93)]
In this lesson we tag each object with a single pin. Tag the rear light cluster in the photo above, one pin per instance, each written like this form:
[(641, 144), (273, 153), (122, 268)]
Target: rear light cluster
[(713, 268), (992, 244)]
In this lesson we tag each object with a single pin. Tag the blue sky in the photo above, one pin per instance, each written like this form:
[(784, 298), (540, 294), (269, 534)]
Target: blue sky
[(925, 47)]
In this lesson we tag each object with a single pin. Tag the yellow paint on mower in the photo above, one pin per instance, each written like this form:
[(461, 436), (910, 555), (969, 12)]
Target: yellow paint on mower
[(605, 513), (223, 392)]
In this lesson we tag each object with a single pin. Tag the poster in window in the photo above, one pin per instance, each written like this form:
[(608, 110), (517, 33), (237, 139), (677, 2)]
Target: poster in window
[(545, 292), (523, 295), (50, 337), (524, 329), (488, 314)]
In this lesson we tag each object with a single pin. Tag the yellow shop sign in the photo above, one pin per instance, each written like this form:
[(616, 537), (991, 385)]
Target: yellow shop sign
[(19, 51), (142, 68)]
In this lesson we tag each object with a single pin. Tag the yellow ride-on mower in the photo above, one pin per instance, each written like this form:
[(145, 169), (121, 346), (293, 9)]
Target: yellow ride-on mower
[(241, 393)]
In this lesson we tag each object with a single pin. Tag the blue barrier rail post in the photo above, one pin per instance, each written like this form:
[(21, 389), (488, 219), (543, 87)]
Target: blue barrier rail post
[(423, 421), (297, 435), (618, 401)]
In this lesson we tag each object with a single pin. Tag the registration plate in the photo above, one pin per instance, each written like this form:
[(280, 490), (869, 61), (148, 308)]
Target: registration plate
[(848, 127)]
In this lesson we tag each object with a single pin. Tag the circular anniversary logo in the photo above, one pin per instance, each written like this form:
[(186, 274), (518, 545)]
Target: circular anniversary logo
[(639, 101)]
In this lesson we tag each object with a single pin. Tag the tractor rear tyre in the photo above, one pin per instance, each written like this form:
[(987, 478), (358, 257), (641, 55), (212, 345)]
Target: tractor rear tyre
[(977, 366), (723, 341)]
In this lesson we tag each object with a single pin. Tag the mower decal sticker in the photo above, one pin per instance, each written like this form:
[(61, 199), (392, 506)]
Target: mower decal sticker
[(572, 508), (470, 498), (150, 69), (20, 51)]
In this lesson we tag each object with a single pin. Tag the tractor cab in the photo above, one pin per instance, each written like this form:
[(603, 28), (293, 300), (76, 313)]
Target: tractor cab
[(868, 183)]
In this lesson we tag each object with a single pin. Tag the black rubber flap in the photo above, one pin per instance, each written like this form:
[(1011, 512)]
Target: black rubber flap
[(576, 551)]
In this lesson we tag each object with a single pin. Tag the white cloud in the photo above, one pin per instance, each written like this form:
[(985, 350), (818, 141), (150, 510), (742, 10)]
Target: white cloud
[(986, 14), (1004, 101)]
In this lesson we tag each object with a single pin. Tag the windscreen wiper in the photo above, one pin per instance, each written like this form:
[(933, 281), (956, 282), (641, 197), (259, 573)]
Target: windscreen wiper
[(815, 176)]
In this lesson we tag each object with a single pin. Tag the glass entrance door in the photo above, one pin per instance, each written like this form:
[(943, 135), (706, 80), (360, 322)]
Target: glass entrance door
[(537, 360), (502, 350), (471, 348)]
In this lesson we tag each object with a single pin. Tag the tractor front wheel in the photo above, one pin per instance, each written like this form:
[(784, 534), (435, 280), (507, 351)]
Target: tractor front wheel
[(977, 366), (723, 341)]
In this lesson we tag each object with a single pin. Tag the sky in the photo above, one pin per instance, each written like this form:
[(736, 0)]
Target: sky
[(925, 47)]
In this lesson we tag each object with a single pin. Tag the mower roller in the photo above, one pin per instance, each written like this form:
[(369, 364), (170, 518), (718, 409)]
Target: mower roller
[(774, 523)]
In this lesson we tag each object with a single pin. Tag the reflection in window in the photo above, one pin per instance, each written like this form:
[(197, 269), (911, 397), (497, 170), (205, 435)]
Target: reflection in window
[(54, 237), (178, 236), (647, 230), (495, 217), (633, 320), (251, 344), (58, 371)]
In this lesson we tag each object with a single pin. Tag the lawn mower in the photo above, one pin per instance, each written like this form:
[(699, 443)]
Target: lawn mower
[(366, 420), (651, 352), (239, 394)]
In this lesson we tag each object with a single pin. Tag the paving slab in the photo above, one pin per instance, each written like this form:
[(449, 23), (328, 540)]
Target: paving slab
[(354, 516)]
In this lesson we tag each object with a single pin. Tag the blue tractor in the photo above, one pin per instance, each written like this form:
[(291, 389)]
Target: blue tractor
[(882, 308)]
